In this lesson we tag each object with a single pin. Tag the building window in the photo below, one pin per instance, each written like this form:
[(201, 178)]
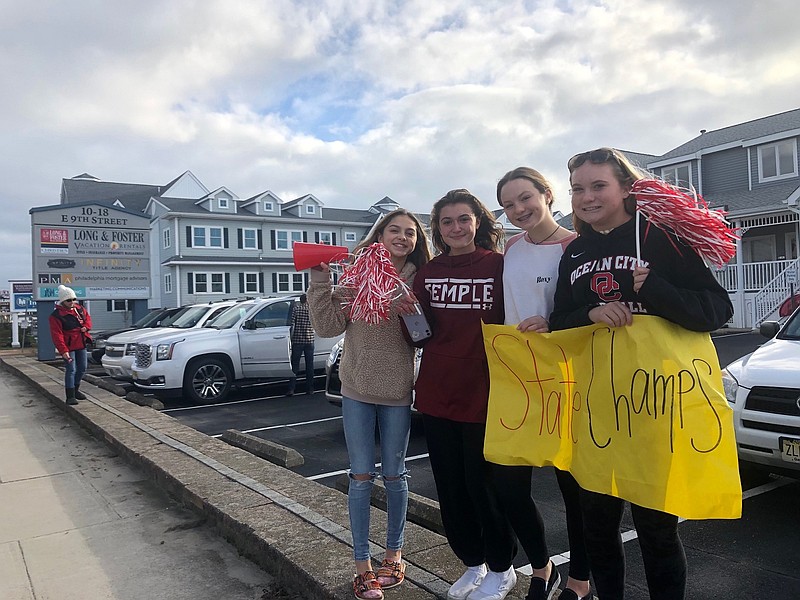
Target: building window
[(758, 248), (119, 305), (208, 283), (250, 239), (680, 175), (167, 237), (207, 237), (268, 206), (167, 283), (349, 236), (290, 282), (222, 202), (325, 237), (284, 239), (251, 283), (311, 209), (778, 160)]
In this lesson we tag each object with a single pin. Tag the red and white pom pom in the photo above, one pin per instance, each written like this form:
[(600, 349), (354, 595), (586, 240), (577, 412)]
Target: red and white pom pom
[(687, 215), (374, 280)]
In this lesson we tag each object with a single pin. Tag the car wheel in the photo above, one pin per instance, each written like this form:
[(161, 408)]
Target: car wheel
[(207, 381)]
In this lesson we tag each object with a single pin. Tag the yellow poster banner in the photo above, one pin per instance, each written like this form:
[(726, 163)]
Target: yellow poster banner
[(636, 412)]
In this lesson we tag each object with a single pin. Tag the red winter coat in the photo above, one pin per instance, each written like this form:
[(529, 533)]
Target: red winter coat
[(65, 327)]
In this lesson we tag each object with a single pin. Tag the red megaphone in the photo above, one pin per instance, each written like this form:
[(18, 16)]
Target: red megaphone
[(310, 255)]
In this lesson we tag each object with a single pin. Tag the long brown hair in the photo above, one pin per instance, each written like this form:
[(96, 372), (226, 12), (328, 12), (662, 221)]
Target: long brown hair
[(488, 234), (421, 252)]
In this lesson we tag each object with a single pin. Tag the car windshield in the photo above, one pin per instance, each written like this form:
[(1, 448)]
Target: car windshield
[(792, 329), (230, 317), (190, 317), (149, 318)]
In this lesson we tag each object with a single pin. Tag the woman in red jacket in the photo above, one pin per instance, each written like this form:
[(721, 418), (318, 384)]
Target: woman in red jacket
[(69, 327)]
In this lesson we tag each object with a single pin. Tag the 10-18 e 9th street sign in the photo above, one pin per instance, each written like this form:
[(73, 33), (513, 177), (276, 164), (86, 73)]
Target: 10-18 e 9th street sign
[(100, 252)]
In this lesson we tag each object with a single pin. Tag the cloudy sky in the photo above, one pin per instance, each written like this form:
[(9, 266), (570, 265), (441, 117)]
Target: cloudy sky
[(353, 100)]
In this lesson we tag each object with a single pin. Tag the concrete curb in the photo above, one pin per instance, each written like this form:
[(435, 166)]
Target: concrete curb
[(274, 453), (296, 529)]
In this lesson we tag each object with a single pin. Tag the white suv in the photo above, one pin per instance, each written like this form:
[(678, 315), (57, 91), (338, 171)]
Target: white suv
[(120, 349), (764, 389), (247, 343)]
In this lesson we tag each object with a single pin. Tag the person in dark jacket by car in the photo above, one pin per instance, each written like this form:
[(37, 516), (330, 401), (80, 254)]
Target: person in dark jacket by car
[(70, 324)]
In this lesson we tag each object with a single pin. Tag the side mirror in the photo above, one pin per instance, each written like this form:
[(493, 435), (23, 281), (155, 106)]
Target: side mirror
[(249, 324), (769, 329)]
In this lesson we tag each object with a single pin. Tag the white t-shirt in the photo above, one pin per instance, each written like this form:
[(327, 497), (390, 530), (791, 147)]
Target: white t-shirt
[(530, 272)]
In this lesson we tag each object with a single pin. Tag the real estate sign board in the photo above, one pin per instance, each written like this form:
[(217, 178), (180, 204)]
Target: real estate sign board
[(100, 252)]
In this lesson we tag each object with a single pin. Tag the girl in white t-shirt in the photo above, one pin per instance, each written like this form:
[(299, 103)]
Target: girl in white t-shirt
[(530, 272)]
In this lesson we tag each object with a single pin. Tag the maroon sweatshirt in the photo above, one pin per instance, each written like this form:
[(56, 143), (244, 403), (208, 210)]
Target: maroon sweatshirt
[(456, 293)]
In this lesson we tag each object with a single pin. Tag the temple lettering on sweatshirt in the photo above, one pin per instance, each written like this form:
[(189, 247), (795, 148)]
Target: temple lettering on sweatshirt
[(607, 263), (458, 292)]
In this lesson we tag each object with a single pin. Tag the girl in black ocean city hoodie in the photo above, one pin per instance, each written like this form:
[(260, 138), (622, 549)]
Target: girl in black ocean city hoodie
[(599, 281), (457, 289)]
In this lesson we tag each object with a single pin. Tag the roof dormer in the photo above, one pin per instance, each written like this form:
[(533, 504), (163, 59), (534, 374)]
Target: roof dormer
[(266, 204), (221, 200), (305, 207)]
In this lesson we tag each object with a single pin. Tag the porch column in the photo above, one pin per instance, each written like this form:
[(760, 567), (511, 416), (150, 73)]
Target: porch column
[(741, 317)]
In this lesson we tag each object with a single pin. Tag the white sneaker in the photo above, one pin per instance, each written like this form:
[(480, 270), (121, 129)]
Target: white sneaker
[(467, 583), (495, 586)]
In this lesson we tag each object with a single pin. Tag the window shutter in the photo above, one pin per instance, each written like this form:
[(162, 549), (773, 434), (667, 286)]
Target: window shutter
[(272, 239), (275, 283), (333, 241), (305, 281), (261, 283), (316, 237), (109, 306), (225, 243), (189, 238), (241, 283), (227, 282), (305, 236), (239, 237), (260, 243), (190, 282)]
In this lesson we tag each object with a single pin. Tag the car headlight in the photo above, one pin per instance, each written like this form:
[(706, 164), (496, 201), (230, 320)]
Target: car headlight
[(99, 344), (130, 349), (730, 385), (164, 351)]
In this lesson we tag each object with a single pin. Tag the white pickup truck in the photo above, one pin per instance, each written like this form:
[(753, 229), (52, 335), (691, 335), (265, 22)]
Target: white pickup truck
[(247, 343)]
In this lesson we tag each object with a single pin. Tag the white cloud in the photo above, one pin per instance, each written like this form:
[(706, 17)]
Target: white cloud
[(352, 100)]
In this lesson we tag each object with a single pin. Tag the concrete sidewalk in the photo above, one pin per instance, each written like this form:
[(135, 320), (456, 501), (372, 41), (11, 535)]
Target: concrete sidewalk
[(77, 522), (295, 529)]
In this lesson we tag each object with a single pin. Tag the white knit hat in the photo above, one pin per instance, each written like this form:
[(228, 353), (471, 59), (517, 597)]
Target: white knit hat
[(65, 293)]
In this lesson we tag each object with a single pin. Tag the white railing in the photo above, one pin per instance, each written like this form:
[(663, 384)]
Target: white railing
[(773, 294), (756, 276)]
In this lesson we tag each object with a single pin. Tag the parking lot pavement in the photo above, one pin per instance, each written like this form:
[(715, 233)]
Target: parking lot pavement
[(78, 522)]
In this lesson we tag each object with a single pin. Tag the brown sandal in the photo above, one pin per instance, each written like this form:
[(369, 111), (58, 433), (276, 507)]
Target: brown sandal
[(391, 574), (366, 586)]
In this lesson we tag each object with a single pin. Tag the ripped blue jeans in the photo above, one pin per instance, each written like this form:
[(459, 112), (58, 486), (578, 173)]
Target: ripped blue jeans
[(394, 425)]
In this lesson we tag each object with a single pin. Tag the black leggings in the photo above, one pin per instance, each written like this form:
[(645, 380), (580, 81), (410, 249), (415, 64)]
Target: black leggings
[(662, 551), (513, 485), (476, 528)]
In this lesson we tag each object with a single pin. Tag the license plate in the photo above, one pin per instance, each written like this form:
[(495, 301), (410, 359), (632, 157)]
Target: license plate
[(790, 450)]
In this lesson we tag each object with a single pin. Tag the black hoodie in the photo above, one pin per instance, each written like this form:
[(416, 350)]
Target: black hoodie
[(598, 269)]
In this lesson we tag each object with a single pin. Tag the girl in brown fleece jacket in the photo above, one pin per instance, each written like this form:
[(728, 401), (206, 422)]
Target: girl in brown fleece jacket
[(377, 374)]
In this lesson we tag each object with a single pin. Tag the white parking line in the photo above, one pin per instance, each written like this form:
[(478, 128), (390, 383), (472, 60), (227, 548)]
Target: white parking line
[(286, 425), (339, 472)]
